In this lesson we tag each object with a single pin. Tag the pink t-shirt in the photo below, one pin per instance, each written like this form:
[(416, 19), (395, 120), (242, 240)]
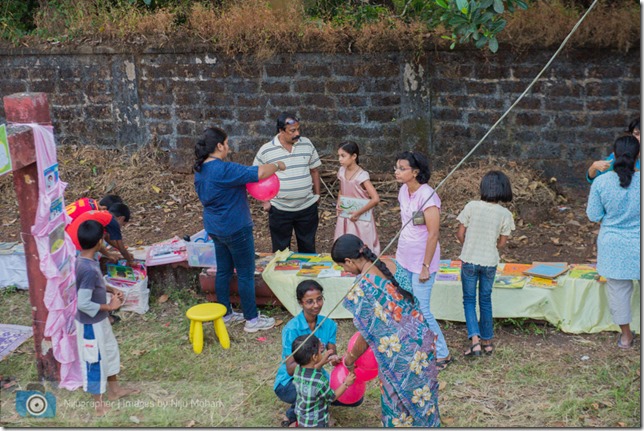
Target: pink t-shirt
[(413, 239)]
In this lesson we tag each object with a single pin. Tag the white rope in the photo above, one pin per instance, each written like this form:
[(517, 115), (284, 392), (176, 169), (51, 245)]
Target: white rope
[(563, 44)]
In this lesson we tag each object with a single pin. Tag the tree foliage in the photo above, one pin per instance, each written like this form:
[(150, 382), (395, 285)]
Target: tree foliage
[(470, 21)]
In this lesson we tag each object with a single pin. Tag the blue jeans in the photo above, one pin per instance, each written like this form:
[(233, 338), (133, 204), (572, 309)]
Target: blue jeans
[(236, 251), (288, 394), (423, 293), (471, 275)]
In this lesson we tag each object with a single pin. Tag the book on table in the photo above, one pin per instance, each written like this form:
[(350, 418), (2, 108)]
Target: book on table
[(313, 269), (510, 281), (544, 283), (287, 265), (515, 269), (585, 272), (543, 270)]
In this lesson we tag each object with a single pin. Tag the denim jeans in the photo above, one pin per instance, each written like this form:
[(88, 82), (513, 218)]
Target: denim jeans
[(471, 275), (423, 293), (236, 251), (288, 394)]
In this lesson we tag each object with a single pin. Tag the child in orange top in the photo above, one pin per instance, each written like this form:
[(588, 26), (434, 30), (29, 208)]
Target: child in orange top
[(87, 204), (355, 183)]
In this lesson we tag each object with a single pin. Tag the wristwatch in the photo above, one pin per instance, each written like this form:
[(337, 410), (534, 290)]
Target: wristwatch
[(277, 165), (425, 265)]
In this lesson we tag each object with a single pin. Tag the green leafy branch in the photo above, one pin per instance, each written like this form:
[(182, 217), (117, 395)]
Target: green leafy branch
[(475, 21)]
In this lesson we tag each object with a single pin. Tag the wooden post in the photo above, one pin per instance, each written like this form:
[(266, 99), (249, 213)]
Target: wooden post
[(30, 108)]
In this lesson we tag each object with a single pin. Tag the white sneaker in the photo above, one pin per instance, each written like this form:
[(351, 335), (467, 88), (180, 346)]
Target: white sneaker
[(260, 323), (234, 317)]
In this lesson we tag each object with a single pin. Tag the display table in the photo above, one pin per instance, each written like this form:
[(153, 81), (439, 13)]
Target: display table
[(574, 306)]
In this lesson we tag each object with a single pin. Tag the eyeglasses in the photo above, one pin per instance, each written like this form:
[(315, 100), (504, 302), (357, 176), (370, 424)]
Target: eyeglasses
[(319, 300), (291, 121), (398, 168)]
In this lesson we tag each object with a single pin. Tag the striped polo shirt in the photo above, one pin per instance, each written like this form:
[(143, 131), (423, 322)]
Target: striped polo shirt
[(296, 183)]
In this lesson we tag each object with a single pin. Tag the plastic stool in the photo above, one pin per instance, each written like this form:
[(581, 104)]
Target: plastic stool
[(205, 313)]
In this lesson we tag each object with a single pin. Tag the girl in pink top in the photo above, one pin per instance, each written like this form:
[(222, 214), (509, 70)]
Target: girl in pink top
[(418, 248), (355, 183)]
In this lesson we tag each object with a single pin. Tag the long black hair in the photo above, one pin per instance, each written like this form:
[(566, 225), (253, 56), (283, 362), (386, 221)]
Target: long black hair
[(626, 150), (417, 161), (207, 145), (349, 246), (351, 148)]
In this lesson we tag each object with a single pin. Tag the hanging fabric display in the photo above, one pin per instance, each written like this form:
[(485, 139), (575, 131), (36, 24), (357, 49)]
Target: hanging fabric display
[(57, 258)]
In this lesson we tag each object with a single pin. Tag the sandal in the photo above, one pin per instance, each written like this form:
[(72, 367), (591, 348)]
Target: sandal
[(488, 349), (472, 352), (624, 346), (286, 422), (443, 363)]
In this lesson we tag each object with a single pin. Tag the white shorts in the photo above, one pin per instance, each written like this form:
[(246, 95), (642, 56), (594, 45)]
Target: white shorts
[(99, 354)]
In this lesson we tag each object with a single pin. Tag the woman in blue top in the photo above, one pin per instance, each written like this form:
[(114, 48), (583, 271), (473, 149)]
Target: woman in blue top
[(221, 187), (615, 202), (600, 167), (310, 297)]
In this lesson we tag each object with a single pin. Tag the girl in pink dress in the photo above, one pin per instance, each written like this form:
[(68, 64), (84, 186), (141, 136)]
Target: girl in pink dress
[(354, 183)]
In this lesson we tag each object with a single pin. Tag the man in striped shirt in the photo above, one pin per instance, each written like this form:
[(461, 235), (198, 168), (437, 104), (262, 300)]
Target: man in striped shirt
[(296, 205)]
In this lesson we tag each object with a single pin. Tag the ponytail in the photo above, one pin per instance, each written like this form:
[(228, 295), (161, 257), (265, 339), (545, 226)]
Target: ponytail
[(349, 246), (207, 145), (371, 256), (351, 148), (626, 150)]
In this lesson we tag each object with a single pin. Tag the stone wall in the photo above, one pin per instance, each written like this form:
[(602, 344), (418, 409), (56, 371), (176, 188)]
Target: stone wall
[(442, 103)]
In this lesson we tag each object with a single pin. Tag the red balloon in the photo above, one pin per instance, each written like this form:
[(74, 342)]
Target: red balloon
[(265, 189), (353, 392), (366, 365)]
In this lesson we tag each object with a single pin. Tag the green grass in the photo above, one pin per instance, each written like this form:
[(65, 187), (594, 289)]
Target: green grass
[(534, 379)]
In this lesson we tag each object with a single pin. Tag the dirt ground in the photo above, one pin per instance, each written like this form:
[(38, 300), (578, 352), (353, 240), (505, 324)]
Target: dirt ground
[(551, 221)]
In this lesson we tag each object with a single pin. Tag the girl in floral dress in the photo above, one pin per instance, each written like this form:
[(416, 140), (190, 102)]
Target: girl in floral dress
[(391, 323)]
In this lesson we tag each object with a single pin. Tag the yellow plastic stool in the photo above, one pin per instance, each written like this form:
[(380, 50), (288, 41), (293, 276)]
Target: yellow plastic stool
[(205, 313)]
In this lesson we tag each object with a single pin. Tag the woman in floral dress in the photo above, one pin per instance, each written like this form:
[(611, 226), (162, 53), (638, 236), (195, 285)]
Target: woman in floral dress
[(391, 323)]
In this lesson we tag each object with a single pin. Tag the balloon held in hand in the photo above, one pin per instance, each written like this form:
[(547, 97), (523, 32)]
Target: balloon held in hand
[(354, 392), (265, 189), (366, 365)]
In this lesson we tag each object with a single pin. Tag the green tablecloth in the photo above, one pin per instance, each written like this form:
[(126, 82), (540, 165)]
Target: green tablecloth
[(575, 305)]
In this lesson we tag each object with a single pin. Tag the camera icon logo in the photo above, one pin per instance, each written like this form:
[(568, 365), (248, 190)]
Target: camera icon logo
[(35, 402)]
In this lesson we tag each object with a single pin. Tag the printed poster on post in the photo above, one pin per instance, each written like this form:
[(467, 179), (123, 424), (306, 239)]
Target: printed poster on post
[(5, 156), (51, 177)]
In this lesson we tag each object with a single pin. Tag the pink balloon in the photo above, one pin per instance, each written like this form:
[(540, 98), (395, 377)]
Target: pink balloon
[(353, 392), (265, 189), (366, 365)]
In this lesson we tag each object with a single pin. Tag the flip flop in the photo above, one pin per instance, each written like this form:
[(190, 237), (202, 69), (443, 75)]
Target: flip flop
[(624, 346)]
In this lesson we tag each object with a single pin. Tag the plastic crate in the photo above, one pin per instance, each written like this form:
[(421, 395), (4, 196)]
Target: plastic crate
[(201, 254)]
